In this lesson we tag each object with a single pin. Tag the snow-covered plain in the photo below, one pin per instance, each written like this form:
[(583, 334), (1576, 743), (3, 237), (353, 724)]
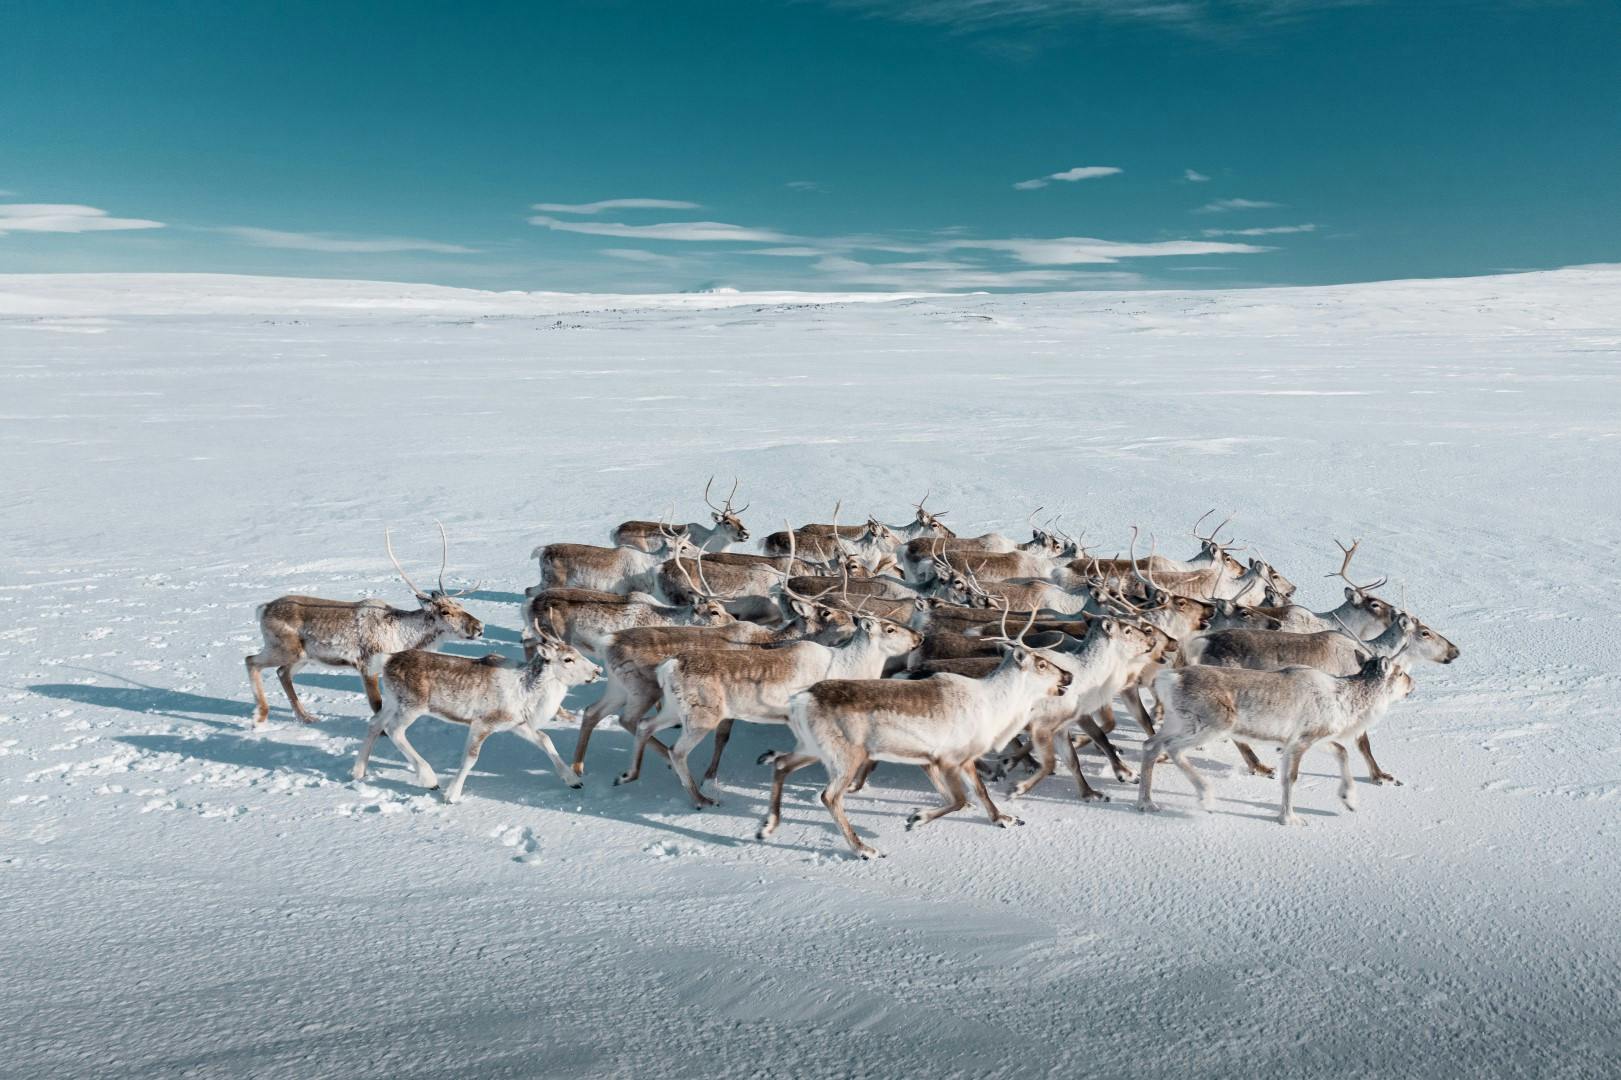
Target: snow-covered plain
[(183, 896)]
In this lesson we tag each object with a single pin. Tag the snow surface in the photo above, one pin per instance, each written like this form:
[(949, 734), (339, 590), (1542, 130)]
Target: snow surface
[(182, 896)]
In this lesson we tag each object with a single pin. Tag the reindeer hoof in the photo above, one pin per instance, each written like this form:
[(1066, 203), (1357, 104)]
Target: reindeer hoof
[(1291, 819), (1008, 819), (915, 817), (767, 758), (1147, 806), (623, 778), (576, 784), (1094, 796), (866, 853), (1385, 778)]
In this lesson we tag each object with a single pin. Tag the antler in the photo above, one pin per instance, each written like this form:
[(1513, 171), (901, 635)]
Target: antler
[(1345, 566), (1213, 532), (444, 555), (389, 544), (711, 505), (1135, 571), (729, 495), (1031, 521)]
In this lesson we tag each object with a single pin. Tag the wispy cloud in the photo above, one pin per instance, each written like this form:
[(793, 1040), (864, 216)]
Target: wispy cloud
[(638, 255), (803, 185), (614, 204), (1080, 172), (65, 218), (968, 16), (690, 231), (1270, 230), (1194, 176), (1222, 206), (372, 245), (1082, 250), (945, 275)]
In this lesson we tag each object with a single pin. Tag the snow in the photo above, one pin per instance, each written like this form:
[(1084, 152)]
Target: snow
[(183, 895)]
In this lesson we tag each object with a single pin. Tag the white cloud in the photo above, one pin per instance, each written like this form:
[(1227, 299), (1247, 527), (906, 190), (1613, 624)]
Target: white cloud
[(787, 252), (638, 255), (1000, 16), (951, 276), (297, 241), (1080, 172), (803, 185), (691, 231), (1080, 250), (1194, 176), (614, 204), (64, 218), (1222, 206), (1272, 230)]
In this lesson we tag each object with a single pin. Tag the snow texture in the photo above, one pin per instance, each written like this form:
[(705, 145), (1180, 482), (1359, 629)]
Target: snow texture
[(183, 896)]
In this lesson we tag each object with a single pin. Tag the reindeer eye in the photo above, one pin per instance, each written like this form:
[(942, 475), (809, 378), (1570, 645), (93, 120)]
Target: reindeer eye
[(568, 659)]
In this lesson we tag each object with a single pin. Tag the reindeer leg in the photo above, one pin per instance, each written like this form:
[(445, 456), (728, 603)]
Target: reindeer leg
[(999, 819), (285, 674), (861, 777), (722, 733), (379, 719), (781, 768), (632, 715), (395, 729), (1041, 741), (949, 785), (607, 703), (477, 732), (1145, 778), (1247, 752), (1290, 770), (261, 707), (695, 725), (1087, 791), (645, 730), (1100, 739), (1347, 784), (532, 733), (1375, 773), (841, 777), (1134, 698)]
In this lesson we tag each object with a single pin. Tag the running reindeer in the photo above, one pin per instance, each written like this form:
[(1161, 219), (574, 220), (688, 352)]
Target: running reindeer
[(488, 695), (352, 633)]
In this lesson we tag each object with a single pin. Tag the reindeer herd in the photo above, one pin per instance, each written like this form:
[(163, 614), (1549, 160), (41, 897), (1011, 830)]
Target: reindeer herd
[(877, 643)]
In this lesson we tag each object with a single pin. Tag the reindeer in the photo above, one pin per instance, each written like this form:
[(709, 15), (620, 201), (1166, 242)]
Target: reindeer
[(352, 633), (487, 694), (943, 723), (1044, 544), (615, 569), (1362, 612), (707, 688), (727, 530), (585, 617), (632, 657), (872, 545), (1338, 652), (1297, 706)]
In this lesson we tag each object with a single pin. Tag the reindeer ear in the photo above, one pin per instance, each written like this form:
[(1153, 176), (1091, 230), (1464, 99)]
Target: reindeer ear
[(1109, 627), (1352, 596), (800, 608)]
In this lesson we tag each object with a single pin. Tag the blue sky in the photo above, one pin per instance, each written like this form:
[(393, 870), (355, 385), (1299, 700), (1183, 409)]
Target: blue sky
[(821, 144)]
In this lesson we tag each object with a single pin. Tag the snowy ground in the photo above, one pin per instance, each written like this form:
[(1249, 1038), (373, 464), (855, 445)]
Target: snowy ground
[(182, 896)]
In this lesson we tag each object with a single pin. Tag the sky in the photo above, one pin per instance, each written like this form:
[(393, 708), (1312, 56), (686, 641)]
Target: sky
[(915, 145)]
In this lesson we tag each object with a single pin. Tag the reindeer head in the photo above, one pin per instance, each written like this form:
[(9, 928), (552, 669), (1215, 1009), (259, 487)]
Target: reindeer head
[(880, 533), (1424, 642), (564, 659), (728, 520), (1361, 596), (893, 639), (1234, 615), (931, 521), (1387, 673), (449, 618), (1140, 639)]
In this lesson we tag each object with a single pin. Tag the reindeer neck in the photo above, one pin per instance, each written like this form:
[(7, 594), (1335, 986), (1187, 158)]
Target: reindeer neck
[(415, 629)]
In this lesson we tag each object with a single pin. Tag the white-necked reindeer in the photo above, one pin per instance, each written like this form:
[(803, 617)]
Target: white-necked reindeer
[(1297, 707), (944, 724), (488, 695), (707, 688), (727, 529), (1338, 652), (352, 633)]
